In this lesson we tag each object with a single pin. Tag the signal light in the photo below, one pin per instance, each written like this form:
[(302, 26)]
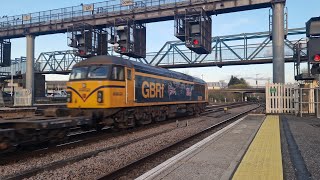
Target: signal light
[(123, 49), (81, 52), (195, 42), (317, 58)]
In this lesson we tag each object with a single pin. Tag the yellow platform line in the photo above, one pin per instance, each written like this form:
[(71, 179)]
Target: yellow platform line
[(263, 158)]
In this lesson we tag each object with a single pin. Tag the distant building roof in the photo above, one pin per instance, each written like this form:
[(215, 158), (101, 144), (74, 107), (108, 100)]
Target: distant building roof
[(217, 84)]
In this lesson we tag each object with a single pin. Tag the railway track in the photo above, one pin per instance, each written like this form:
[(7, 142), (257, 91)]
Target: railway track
[(91, 135), (131, 168), (57, 164), (95, 139)]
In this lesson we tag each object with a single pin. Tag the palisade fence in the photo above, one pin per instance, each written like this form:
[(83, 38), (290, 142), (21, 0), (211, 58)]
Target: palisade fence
[(291, 98)]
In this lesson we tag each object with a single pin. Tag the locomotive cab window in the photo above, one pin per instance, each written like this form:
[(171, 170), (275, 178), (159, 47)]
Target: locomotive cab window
[(78, 73), (117, 73), (98, 72)]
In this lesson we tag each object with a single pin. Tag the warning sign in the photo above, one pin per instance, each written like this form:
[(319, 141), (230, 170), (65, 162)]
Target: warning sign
[(126, 2)]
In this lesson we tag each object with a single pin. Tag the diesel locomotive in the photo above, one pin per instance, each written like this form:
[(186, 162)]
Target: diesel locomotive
[(122, 93)]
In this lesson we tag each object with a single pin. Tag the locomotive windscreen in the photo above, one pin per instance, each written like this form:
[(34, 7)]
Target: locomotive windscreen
[(92, 72)]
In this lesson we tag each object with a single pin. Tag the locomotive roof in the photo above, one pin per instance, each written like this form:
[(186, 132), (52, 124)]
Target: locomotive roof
[(139, 67), (97, 60)]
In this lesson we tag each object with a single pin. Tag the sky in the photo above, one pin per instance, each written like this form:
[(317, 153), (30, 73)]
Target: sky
[(299, 11)]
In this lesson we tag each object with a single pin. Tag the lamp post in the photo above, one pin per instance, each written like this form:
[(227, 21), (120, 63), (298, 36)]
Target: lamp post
[(257, 80), (11, 80)]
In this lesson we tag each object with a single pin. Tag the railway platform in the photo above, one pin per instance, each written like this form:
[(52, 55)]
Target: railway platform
[(255, 147)]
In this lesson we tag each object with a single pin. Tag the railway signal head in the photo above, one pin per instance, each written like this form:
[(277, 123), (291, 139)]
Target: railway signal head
[(122, 39), (313, 27), (195, 42), (120, 48), (82, 42), (130, 39), (123, 49), (317, 58), (314, 50), (82, 52)]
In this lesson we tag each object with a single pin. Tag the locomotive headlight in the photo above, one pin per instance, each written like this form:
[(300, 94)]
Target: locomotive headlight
[(100, 97), (69, 97)]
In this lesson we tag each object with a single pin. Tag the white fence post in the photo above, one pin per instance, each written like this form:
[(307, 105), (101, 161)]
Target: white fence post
[(280, 98)]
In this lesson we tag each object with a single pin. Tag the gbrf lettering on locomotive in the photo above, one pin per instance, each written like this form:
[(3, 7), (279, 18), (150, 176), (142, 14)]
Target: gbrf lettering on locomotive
[(152, 90)]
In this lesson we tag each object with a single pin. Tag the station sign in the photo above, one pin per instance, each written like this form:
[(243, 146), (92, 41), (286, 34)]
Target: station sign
[(127, 2), (26, 17), (273, 90), (88, 7)]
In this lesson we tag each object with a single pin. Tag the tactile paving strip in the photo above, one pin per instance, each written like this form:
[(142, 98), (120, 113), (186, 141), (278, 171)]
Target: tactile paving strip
[(263, 158)]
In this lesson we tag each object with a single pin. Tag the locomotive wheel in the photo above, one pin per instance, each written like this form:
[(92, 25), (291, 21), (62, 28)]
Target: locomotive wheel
[(197, 111), (161, 117), (58, 136), (99, 127), (4, 144), (146, 119), (190, 112)]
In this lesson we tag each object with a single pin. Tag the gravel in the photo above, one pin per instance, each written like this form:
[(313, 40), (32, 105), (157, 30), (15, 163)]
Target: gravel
[(108, 161), (306, 132), (288, 170)]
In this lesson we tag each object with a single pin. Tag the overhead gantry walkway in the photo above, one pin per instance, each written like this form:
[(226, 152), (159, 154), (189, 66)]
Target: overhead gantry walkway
[(227, 50), (105, 13)]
